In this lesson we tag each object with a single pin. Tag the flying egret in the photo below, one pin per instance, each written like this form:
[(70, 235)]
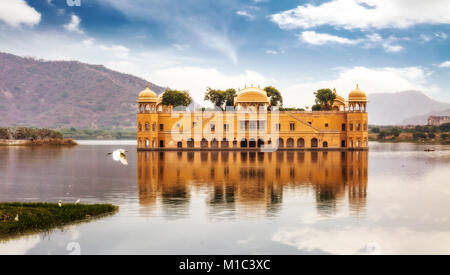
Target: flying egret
[(60, 203), (77, 202), (119, 155)]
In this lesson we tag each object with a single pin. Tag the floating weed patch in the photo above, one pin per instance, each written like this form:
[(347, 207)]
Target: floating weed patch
[(22, 218)]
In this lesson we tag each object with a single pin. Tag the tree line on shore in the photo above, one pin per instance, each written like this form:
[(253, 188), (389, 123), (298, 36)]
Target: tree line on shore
[(424, 133), (24, 133)]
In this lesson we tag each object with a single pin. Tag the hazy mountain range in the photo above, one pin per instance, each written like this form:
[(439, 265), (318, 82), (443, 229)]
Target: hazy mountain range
[(74, 94), (408, 107), (66, 94)]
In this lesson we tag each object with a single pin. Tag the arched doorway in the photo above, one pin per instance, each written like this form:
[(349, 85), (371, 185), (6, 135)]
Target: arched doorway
[(252, 143), (290, 143), (244, 143), (204, 143), (180, 145), (260, 143), (280, 143), (214, 143), (314, 143), (190, 143), (325, 144), (301, 143), (225, 143)]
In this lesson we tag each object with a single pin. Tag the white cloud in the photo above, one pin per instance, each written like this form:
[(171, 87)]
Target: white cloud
[(441, 35), (364, 14), (88, 42), (17, 12), (245, 14), (196, 80), (118, 51), (217, 41), (271, 52), (374, 37), (181, 47), (445, 64), (426, 38), (74, 24), (392, 48), (370, 41), (371, 80), (315, 38), (191, 28)]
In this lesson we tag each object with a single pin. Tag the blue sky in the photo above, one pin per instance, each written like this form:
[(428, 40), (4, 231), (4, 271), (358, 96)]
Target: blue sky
[(297, 46)]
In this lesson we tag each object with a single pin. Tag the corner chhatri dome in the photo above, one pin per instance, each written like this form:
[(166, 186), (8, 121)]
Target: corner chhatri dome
[(147, 95), (252, 95), (357, 95)]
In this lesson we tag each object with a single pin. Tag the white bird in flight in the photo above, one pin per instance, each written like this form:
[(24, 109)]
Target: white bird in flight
[(119, 155), (77, 202)]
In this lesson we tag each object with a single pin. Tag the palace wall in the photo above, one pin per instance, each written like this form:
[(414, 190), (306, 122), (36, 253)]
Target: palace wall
[(168, 130)]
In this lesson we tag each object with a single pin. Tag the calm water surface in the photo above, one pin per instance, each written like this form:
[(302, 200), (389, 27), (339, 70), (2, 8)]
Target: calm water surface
[(394, 199)]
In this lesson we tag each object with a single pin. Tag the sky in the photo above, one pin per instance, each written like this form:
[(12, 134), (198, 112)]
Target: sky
[(297, 46)]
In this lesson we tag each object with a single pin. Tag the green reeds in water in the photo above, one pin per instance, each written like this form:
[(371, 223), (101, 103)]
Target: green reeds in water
[(23, 218)]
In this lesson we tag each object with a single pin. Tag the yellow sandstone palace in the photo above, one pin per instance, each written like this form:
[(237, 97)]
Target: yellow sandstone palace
[(251, 125)]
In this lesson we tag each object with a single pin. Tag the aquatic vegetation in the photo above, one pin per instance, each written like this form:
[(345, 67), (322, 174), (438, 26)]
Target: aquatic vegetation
[(22, 218), (33, 136)]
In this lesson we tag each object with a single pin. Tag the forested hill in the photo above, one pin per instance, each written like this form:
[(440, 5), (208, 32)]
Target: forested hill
[(64, 94)]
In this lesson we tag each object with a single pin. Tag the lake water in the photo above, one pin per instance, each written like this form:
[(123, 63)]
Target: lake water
[(394, 199)]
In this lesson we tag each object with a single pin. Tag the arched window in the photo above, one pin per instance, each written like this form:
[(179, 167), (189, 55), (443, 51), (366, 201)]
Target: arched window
[(301, 143), (260, 143), (147, 143), (325, 144), (147, 126), (252, 143), (358, 143), (244, 143), (140, 127), (314, 143), (280, 143), (180, 145), (204, 143), (290, 143)]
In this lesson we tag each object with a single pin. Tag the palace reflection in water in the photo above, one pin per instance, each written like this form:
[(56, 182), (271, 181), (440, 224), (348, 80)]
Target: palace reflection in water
[(251, 182)]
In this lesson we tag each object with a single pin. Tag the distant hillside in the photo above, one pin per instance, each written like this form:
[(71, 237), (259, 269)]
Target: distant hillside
[(408, 107), (423, 119), (66, 94)]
